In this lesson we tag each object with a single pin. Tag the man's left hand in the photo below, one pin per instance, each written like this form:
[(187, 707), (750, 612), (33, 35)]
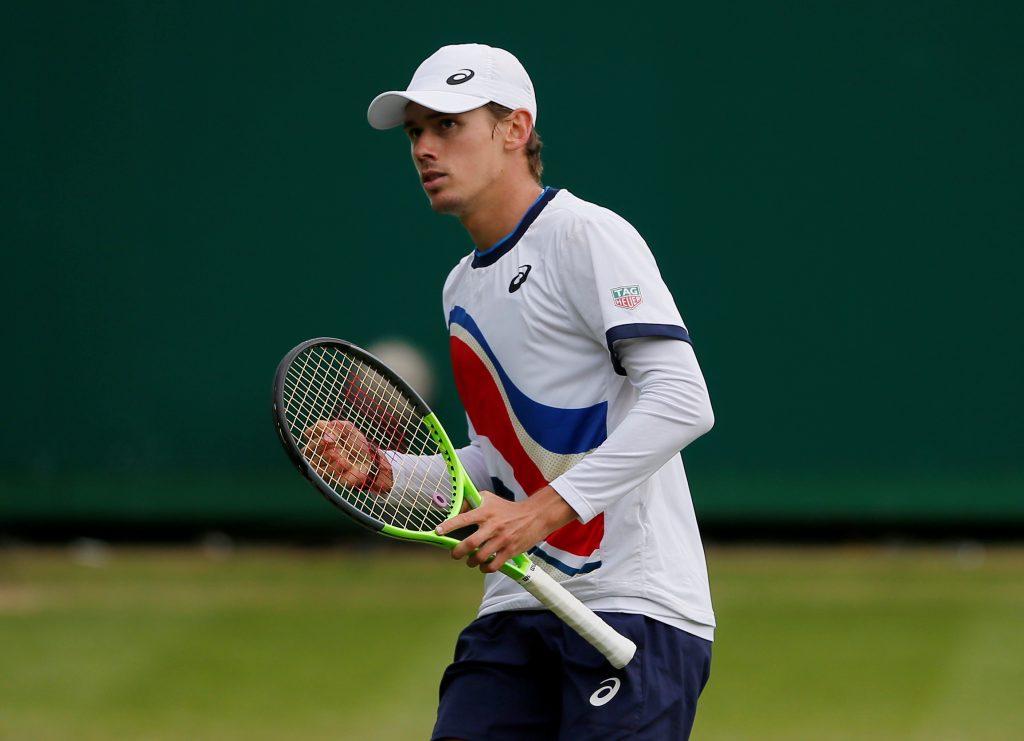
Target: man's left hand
[(506, 529)]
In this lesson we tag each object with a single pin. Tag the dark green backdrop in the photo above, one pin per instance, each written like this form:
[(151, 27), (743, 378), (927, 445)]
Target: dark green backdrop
[(833, 191)]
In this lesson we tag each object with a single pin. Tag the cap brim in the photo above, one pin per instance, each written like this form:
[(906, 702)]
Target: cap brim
[(387, 110)]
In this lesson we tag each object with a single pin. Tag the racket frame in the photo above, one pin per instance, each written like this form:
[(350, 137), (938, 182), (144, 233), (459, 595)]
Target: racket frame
[(463, 489), (618, 649)]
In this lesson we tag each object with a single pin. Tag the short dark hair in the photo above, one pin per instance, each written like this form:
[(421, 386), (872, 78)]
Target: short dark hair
[(533, 146)]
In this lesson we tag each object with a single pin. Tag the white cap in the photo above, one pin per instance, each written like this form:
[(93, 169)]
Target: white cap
[(456, 79)]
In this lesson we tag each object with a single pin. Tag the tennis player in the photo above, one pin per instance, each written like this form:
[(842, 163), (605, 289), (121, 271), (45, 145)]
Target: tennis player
[(580, 387)]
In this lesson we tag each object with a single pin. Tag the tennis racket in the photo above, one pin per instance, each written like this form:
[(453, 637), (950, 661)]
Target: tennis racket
[(371, 446)]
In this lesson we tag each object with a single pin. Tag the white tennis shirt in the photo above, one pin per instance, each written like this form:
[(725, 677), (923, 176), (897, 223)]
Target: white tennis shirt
[(557, 391)]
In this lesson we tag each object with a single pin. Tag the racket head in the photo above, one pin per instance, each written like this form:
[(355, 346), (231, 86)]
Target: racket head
[(327, 379)]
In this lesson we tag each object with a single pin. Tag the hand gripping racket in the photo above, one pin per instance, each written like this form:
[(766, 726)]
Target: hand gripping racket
[(400, 476)]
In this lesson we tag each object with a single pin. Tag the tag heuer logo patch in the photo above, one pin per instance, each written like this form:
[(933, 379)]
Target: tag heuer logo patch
[(627, 297)]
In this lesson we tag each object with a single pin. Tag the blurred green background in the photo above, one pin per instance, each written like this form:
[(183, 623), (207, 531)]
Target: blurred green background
[(833, 191)]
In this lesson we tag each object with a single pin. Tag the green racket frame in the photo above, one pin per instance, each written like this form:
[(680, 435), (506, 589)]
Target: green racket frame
[(462, 490), (618, 649)]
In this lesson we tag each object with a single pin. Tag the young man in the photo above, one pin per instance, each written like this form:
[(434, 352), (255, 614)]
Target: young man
[(580, 387)]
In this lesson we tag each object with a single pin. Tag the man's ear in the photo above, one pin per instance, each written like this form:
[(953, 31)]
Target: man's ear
[(520, 126)]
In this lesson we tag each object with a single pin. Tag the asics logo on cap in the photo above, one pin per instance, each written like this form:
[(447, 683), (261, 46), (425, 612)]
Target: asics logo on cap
[(463, 75)]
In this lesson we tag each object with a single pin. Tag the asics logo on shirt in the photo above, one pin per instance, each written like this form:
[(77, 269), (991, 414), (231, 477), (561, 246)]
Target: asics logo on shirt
[(524, 271), (606, 692), (463, 75)]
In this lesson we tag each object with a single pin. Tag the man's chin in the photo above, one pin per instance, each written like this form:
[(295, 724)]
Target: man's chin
[(445, 203)]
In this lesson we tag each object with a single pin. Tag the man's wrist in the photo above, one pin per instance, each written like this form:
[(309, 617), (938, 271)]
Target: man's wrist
[(552, 509)]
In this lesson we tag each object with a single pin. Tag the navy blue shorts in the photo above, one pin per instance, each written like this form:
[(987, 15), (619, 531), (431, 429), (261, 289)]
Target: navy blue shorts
[(527, 676)]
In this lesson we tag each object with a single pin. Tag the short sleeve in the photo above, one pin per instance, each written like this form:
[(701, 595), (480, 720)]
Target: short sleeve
[(613, 282)]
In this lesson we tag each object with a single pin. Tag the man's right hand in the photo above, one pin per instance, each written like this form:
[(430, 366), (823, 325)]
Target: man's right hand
[(336, 449)]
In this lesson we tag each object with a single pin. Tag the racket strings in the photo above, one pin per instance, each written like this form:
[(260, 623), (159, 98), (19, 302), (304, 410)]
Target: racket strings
[(374, 409), (325, 384)]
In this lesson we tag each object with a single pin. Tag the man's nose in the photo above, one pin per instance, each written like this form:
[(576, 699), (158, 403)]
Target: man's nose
[(424, 147)]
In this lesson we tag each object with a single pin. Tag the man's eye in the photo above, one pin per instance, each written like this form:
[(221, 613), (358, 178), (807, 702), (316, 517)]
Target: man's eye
[(414, 134), (448, 123)]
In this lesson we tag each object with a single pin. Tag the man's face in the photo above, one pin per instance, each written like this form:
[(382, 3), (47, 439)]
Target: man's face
[(458, 155)]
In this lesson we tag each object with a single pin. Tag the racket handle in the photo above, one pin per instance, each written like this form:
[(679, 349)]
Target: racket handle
[(616, 647)]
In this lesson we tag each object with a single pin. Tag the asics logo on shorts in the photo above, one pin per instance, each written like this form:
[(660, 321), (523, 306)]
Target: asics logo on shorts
[(606, 692)]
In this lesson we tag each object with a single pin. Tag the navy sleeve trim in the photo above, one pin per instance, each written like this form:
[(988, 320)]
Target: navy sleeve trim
[(632, 331)]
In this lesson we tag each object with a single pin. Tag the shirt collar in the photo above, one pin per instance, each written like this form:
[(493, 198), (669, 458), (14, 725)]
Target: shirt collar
[(506, 243)]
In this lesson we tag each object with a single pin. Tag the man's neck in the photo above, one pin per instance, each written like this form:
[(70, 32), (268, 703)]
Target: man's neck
[(499, 213)]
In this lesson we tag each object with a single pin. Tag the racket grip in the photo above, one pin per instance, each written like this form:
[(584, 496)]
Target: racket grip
[(616, 647)]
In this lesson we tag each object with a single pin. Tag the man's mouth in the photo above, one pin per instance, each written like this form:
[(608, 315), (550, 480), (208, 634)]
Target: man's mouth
[(431, 178)]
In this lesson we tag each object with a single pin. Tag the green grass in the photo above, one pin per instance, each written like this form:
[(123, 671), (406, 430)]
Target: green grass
[(274, 644), (866, 644)]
